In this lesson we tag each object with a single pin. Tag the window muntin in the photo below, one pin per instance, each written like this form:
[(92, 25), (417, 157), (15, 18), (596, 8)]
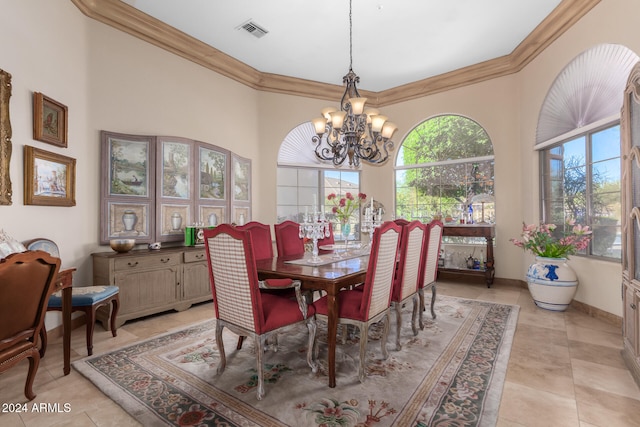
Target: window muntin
[(581, 181), (299, 190)]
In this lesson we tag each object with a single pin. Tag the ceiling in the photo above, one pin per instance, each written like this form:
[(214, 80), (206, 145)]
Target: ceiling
[(395, 42)]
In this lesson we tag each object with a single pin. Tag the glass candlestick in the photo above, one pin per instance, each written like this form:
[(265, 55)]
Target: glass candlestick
[(314, 227)]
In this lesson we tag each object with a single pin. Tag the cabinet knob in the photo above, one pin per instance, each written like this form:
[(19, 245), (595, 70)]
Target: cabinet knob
[(132, 264), (632, 305), (200, 256), (165, 260)]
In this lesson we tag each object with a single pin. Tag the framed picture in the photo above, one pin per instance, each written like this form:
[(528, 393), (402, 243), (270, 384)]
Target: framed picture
[(49, 120), (126, 161), (128, 220), (5, 139), (49, 178), (211, 216), (213, 174), (175, 168), (241, 179), (173, 218)]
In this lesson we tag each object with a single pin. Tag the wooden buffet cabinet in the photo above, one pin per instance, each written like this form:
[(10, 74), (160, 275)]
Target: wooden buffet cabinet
[(153, 281)]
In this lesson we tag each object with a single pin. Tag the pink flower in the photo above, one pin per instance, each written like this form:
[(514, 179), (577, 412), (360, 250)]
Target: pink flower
[(543, 241)]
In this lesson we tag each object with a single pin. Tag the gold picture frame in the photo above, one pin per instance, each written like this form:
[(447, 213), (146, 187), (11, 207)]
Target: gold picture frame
[(49, 120), (49, 178), (5, 138)]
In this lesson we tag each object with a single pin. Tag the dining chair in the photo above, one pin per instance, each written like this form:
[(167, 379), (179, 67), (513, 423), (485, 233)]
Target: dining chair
[(27, 279), (288, 240), (87, 299), (239, 304), (372, 303), (431, 253), (407, 276), (263, 249), (327, 240)]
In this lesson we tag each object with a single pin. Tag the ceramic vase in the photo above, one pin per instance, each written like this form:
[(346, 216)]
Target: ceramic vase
[(552, 283), (176, 221)]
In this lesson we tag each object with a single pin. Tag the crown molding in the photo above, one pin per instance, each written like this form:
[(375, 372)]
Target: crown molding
[(126, 18)]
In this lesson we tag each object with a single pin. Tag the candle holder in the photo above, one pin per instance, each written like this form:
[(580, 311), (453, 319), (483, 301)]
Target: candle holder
[(371, 220), (314, 227)]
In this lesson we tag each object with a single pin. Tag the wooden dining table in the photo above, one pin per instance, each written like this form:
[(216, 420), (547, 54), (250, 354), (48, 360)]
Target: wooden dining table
[(330, 278)]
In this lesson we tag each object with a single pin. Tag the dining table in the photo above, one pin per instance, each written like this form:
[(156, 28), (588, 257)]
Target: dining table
[(331, 275)]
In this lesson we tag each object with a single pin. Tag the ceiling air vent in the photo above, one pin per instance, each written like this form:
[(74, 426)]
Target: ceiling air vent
[(253, 28)]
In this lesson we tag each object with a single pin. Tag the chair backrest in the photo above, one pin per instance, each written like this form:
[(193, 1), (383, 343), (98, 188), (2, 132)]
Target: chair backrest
[(233, 275), (261, 238), (288, 241), (410, 259), (431, 252), (327, 240), (27, 280), (401, 222), (378, 282)]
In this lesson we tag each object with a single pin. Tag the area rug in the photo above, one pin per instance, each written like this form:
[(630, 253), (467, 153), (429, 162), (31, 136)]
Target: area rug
[(450, 374)]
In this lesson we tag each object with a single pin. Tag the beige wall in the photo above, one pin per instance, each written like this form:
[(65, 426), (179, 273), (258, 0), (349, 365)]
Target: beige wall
[(112, 81)]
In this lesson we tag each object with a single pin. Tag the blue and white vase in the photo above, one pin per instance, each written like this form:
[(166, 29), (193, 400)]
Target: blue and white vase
[(552, 283)]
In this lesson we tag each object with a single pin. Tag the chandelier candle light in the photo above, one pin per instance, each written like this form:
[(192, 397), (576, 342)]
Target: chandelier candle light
[(372, 219), (353, 132)]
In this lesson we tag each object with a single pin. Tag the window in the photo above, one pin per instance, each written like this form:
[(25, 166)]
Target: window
[(581, 181), (442, 163), (301, 189)]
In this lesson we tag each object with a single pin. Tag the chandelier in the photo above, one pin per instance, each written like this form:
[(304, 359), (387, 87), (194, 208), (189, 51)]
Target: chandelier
[(353, 132)]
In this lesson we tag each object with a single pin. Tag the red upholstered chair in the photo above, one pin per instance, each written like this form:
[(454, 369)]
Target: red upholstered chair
[(407, 277), (371, 305), (27, 279), (428, 277), (261, 236), (327, 240), (288, 241), (239, 304)]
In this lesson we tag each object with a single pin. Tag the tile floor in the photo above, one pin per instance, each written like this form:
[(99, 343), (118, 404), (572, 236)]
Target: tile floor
[(565, 370)]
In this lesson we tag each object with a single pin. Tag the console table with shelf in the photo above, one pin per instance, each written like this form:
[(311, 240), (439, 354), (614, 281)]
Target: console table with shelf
[(487, 231), (153, 281)]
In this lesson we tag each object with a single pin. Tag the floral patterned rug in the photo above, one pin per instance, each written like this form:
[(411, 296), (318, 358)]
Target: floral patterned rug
[(450, 374)]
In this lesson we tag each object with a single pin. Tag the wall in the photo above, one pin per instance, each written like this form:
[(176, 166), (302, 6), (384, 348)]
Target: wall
[(112, 81)]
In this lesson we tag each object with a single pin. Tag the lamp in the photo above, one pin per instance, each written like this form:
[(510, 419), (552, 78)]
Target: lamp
[(353, 132), (482, 198)]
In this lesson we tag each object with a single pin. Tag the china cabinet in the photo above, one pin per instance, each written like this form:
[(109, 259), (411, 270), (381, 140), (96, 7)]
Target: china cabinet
[(630, 135)]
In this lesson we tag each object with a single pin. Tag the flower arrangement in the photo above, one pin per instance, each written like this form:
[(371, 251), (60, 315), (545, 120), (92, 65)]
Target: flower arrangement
[(541, 241), (344, 207)]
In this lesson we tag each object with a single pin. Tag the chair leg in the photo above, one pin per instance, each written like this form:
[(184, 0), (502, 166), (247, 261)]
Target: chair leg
[(421, 309), (385, 335), (240, 341), (260, 344), (414, 314), (433, 300), (43, 341), (398, 309), (311, 325), (364, 337), (115, 306), (90, 312), (34, 362), (223, 358)]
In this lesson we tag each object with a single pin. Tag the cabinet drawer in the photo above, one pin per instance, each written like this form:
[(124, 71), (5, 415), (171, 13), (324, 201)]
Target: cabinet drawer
[(195, 256), (139, 263)]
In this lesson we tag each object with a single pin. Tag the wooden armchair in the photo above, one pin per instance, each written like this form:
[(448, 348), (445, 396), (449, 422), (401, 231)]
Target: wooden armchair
[(27, 279)]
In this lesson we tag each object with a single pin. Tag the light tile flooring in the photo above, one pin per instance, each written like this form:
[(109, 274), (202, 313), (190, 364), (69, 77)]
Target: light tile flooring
[(565, 370)]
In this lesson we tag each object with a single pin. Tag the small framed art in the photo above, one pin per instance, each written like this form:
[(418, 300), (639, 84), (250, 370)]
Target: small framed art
[(49, 120), (49, 178)]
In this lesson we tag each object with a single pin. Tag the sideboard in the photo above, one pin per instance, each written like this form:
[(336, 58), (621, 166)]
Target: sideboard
[(488, 231), (153, 281)]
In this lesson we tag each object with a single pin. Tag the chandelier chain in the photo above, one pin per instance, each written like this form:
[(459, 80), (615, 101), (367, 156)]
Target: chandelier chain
[(350, 36)]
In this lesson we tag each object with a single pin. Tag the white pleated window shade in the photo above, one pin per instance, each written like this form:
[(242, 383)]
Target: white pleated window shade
[(297, 148), (590, 88)]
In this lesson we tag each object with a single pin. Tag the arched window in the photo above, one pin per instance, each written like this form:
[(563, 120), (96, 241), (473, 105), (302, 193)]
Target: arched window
[(441, 165), (578, 136), (304, 182)]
